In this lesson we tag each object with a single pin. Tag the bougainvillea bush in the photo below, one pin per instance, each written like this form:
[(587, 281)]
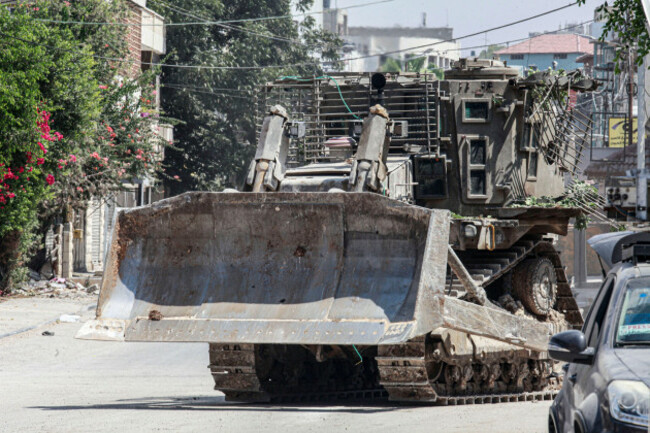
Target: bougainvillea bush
[(72, 125)]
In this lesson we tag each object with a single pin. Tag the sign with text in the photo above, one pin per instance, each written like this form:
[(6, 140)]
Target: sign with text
[(618, 131)]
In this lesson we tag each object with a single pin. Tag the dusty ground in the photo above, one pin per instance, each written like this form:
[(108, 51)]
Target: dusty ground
[(59, 384)]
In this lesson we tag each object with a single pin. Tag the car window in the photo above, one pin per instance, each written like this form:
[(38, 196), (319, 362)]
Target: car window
[(634, 315), (594, 323)]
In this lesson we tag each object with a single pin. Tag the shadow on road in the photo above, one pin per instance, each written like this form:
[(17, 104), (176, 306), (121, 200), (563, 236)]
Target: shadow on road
[(219, 403)]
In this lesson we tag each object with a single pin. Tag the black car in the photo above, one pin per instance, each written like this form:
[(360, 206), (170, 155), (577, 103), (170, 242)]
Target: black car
[(607, 381)]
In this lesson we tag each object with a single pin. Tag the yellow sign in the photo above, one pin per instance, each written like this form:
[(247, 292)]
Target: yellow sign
[(618, 131)]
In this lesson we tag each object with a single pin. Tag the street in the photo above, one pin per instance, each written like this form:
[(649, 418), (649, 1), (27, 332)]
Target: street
[(60, 384)]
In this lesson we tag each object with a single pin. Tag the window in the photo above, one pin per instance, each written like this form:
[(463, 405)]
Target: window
[(594, 321), (516, 57), (476, 110), (431, 178), (532, 165), (634, 320), (559, 56), (477, 152), (477, 182), (477, 159)]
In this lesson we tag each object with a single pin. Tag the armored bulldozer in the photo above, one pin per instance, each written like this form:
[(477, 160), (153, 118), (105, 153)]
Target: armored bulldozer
[(373, 250)]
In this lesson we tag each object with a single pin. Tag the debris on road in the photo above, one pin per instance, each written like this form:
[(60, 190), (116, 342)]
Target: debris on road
[(69, 318), (54, 288), (48, 333)]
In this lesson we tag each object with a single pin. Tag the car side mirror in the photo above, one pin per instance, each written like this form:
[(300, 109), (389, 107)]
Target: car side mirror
[(571, 346)]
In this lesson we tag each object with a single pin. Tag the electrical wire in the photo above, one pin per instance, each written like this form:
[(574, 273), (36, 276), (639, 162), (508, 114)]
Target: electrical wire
[(189, 14), (241, 20), (225, 95), (502, 26), (211, 89), (204, 67)]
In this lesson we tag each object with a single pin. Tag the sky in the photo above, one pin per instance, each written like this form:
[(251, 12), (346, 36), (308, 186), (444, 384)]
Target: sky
[(469, 16)]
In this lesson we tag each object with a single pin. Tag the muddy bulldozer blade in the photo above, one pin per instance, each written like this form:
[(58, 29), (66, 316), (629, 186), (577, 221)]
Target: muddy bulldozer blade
[(286, 268)]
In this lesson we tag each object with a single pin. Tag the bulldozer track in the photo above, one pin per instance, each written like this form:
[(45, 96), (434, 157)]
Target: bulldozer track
[(406, 374), (415, 371), (486, 267), (402, 379)]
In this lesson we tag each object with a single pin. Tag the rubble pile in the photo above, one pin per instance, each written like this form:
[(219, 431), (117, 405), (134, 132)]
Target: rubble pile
[(54, 288)]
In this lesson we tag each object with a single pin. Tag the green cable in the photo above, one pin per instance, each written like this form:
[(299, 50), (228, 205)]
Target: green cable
[(295, 77), (360, 357)]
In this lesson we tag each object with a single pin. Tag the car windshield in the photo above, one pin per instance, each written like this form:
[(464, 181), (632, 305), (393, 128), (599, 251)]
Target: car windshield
[(634, 319)]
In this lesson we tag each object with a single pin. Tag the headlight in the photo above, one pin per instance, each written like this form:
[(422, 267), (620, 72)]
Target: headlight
[(629, 401)]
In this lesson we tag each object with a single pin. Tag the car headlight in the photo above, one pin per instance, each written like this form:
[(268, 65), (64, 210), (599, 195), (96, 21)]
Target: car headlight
[(629, 401)]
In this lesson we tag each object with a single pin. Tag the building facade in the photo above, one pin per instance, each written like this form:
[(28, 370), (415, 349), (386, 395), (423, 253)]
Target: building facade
[(366, 49), (554, 51), (434, 44), (85, 240)]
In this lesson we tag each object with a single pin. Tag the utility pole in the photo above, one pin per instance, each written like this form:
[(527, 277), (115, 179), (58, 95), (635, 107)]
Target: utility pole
[(642, 115), (643, 97)]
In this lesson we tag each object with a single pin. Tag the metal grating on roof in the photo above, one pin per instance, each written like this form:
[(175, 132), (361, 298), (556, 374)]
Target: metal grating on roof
[(317, 102)]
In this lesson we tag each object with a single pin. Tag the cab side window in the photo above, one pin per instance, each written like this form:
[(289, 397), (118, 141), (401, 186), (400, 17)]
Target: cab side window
[(594, 324)]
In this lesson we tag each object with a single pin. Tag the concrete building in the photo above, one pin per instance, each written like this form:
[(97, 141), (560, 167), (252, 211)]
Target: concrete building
[(434, 44), (555, 51), (364, 47)]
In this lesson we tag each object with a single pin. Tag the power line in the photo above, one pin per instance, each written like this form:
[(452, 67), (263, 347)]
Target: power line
[(225, 95), (227, 89), (241, 20), (198, 67), (523, 20), (206, 67), (523, 39), (189, 14)]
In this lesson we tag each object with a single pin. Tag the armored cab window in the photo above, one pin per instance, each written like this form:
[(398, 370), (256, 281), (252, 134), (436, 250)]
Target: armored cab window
[(431, 178), (477, 110), (530, 142), (533, 155), (477, 158)]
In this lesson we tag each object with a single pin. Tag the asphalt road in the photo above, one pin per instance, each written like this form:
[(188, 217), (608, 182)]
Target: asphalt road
[(60, 384)]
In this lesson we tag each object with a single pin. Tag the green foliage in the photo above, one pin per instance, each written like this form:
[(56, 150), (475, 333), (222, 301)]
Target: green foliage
[(415, 64), (216, 139), (391, 65), (37, 79), (488, 53), (70, 129), (626, 20), (581, 195)]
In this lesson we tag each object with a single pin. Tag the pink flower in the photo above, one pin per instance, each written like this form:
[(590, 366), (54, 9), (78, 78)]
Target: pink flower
[(49, 179), (73, 158), (176, 177), (11, 195), (103, 86), (40, 161), (80, 189), (42, 147), (95, 155)]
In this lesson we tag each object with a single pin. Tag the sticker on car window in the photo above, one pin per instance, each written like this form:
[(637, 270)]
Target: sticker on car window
[(634, 329)]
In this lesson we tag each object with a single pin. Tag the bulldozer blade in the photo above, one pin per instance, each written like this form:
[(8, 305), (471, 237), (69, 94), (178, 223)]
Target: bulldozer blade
[(286, 268)]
